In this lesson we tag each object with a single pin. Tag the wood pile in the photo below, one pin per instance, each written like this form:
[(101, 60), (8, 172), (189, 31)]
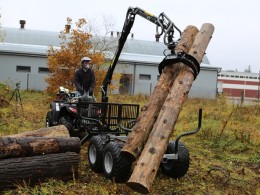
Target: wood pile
[(38, 155)]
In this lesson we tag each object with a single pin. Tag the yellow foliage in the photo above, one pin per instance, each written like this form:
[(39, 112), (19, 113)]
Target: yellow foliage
[(63, 62)]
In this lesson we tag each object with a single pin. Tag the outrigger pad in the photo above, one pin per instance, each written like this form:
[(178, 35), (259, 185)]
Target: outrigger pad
[(187, 59)]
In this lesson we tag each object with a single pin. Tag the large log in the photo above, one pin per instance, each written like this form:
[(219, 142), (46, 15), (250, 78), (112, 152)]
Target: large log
[(54, 131), (36, 169), (149, 161), (140, 132), (32, 146)]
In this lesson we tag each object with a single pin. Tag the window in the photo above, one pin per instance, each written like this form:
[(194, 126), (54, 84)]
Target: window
[(43, 70), (144, 77), (23, 69)]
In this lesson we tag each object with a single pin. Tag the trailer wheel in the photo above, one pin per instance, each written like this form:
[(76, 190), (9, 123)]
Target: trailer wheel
[(48, 121), (176, 168), (95, 153), (116, 166)]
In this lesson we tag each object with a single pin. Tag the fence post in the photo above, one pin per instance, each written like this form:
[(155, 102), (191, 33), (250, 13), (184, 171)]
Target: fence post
[(27, 82)]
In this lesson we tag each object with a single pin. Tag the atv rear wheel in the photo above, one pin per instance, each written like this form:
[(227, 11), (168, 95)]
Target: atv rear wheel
[(67, 122), (48, 121), (176, 168), (95, 153), (115, 165)]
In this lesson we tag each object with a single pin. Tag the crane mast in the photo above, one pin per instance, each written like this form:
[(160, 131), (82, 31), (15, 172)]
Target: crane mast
[(163, 26)]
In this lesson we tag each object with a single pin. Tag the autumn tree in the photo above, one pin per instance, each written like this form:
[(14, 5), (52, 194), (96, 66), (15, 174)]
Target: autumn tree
[(75, 44)]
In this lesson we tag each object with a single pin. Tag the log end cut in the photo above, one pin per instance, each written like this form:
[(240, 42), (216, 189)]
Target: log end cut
[(138, 187)]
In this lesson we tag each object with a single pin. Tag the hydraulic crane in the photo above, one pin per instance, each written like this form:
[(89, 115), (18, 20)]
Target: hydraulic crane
[(163, 26)]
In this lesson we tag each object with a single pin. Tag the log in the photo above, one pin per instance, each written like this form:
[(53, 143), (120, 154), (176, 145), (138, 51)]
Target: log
[(54, 131), (32, 146), (140, 132), (36, 169), (149, 161)]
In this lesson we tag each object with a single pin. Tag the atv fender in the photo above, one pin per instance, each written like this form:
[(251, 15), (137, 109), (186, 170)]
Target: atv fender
[(55, 107)]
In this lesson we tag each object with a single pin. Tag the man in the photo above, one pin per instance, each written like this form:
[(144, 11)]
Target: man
[(84, 78)]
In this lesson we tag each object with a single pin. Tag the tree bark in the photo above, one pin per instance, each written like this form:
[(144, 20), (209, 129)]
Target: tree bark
[(149, 161), (36, 169), (55, 131), (32, 146), (140, 132)]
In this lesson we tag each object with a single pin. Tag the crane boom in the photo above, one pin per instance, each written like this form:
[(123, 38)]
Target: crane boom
[(163, 26)]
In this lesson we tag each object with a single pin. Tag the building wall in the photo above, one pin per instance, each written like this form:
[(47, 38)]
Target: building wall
[(144, 81), (31, 78), (23, 55), (240, 84), (205, 85)]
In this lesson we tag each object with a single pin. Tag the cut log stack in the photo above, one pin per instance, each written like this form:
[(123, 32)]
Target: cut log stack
[(148, 141), (38, 155)]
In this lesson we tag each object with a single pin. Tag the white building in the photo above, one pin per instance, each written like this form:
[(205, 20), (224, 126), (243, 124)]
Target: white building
[(24, 59), (239, 84)]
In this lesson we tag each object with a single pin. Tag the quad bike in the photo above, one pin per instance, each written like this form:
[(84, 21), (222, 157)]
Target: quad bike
[(106, 125), (64, 111), (84, 117)]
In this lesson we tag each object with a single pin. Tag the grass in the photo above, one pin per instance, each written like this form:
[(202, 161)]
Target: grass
[(224, 154)]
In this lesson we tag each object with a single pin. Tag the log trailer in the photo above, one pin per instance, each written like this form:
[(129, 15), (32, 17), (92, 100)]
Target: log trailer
[(106, 125), (104, 148)]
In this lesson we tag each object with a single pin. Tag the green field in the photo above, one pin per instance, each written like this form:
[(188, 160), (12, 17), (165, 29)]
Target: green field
[(224, 154)]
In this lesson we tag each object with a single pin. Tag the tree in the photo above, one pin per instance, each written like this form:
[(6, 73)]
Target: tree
[(63, 61), (2, 34)]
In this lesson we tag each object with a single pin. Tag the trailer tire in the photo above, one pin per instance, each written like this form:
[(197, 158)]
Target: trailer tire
[(48, 121), (95, 153), (116, 166), (176, 168)]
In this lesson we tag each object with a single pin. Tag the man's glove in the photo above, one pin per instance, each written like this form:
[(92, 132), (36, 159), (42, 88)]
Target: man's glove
[(81, 91), (90, 92)]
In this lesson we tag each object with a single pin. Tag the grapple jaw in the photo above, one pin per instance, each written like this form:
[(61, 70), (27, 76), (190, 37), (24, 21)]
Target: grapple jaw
[(187, 59)]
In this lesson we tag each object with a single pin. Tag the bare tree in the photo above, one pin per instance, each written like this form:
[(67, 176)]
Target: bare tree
[(102, 40), (2, 34)]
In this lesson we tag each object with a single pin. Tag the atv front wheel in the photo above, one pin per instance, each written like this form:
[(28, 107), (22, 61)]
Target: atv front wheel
[(67, 122), (48, 121), (176, 168), (95, 153), (115, 165)]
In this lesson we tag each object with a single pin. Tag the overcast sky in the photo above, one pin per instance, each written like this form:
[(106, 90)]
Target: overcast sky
[(234, 46)]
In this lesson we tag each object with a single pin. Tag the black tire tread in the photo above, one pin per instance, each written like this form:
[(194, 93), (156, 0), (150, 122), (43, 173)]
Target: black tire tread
[(48, 119), (180, 166), (98, 144), (122, 167), (66, 121)]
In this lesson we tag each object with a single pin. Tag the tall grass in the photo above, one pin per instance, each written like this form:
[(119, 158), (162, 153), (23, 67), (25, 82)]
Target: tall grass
[(224, 153)]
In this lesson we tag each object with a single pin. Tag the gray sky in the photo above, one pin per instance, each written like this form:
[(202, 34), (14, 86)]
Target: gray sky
[(235, 43)]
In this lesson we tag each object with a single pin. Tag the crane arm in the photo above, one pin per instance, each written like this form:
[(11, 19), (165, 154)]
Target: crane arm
[(163, 26)]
